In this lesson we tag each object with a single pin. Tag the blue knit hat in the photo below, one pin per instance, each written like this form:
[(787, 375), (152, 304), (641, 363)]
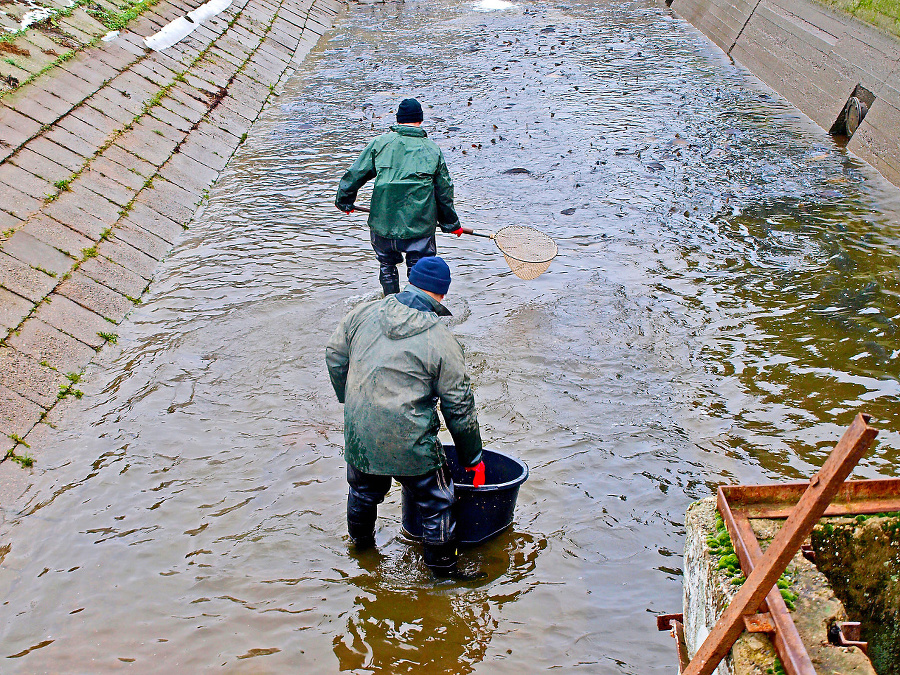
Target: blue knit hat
[(410, 110), (431, 274)]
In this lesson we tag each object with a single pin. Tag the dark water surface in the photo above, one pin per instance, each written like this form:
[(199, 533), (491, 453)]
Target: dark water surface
[(725, 299)]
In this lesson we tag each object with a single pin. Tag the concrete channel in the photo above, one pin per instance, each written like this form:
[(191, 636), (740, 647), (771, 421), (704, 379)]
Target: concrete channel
[(170, 266)]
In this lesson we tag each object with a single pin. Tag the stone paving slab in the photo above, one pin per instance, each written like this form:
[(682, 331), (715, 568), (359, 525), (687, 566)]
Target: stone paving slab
[(57, 235), (13, 309), (95, 296), (104, 160), (48, 344), (32, 251), (73, 319), (17, 414), (22, 374), (24, 280)]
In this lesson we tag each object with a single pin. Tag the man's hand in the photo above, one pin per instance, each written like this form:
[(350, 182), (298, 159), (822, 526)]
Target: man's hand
[(458, 232), (343, 209), (478, 470)]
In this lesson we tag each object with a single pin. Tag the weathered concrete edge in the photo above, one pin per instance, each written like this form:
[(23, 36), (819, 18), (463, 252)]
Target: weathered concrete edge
[(172, 200), (708, 590), (815, 58)]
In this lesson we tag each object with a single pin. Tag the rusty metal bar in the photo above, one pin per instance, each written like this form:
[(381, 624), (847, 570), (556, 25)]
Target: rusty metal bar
[(683, 658), (786, 639), (880, 495), (760, 582)]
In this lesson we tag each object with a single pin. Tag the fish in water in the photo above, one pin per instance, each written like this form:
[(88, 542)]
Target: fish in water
[(517, 170), (568, 212)]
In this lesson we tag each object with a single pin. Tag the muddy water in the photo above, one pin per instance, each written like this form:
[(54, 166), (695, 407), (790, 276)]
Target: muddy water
[(725, 299)]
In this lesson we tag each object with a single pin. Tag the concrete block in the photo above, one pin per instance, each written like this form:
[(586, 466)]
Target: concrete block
[(92, 71), (17, 414), (876, 140), (174, 120), (32, 251), (132, 163), (102, 125), (46, 343), (128, 257), (69, 211), (29, 378), (24, 181), (40, 105), (154, 222), (71, 88), (55, 152), (147, 243), (114, 171), (24, 280), (112, 104), (57, 235), (170, 200), (75, 320), (86, 200), (13, 308), (42, 167), (144, 141), (106, 187), (15, 480), (72, 141), (95, 296), (16, 128), (116, 277), (18, 203)]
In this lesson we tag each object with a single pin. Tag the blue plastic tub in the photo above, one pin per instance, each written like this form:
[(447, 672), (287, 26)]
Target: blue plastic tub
[(481, 512)]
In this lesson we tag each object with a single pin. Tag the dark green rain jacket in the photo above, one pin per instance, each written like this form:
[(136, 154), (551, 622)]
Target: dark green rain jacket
[(390, 364), (413, 192)]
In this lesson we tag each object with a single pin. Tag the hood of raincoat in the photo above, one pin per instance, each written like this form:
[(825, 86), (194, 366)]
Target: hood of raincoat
[(391, 363)]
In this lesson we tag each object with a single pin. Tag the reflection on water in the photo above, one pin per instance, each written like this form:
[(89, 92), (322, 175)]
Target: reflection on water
[(441, 628), (724, 301)]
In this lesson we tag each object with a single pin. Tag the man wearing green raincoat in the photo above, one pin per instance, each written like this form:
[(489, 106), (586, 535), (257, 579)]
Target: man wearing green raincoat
[(412, 194), (391, 362)]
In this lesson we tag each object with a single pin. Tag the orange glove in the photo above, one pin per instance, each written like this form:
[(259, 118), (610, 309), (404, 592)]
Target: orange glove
[(478, 470), (458, 232)]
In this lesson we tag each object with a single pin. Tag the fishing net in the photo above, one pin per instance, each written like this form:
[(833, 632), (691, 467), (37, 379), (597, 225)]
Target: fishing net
[(528, 251)]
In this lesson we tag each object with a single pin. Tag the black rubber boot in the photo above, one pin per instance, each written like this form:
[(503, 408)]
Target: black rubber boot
[(389, 278), (443, 561), (361, 534)]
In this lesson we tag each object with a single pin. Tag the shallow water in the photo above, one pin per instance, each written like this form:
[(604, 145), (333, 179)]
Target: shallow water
[(724, 301)]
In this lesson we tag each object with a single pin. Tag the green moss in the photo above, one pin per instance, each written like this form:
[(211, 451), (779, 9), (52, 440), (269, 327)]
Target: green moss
[(882, 13)]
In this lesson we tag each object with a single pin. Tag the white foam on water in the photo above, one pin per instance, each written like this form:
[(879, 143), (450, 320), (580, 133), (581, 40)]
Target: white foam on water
[(35, 16), (180, 28), (209, 10), (493, 5)]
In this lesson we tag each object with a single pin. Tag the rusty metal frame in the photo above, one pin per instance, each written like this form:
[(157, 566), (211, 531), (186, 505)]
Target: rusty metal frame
[(758, 605)]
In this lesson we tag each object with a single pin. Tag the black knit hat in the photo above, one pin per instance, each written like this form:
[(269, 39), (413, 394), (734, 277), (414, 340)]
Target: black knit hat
[(431, 274), (409, 111)]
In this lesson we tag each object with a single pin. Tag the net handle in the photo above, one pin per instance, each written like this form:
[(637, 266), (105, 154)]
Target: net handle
[(466, 230)]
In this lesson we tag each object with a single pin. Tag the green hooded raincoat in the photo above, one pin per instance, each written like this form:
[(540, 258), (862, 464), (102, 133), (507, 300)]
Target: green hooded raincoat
[(390, 365), (412, 193)]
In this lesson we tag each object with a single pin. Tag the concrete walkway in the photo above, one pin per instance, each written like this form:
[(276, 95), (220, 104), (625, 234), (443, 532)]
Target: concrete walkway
[(104, 160)]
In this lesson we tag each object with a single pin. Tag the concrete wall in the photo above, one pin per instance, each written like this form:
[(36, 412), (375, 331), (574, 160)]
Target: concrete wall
[(103, 161), (815, 58), (708, 590)]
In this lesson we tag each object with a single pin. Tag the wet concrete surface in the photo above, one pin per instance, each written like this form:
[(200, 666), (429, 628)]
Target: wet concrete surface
[(723, 303)]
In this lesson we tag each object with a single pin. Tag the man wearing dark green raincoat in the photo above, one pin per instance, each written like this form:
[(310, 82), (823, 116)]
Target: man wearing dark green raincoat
[(391, 362), (412, 194)]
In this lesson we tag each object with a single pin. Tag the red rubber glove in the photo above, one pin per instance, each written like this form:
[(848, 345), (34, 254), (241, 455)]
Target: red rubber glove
[(458, 232), (478, 470)]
